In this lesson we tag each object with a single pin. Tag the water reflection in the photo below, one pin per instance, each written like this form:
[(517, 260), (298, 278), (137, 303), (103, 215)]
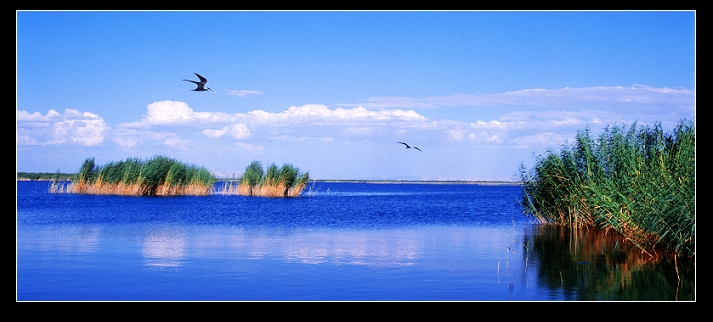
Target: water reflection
[(164, 248), (591, 264), (173, 246), (380, 248), (420, 263), (76, 239)]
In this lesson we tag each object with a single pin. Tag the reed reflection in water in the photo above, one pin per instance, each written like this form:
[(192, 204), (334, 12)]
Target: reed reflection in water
[(592, 264)]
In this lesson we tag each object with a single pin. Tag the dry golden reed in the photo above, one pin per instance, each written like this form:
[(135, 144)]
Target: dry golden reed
[(103, 188), (263, 190)]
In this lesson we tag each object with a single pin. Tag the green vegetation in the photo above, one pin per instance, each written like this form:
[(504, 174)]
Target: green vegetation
[(162, 176), (157, 176), (638, 181), (285, 181)]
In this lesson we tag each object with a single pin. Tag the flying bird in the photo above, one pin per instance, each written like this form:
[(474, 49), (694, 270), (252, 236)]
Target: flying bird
[(408, 146), (201, 84)]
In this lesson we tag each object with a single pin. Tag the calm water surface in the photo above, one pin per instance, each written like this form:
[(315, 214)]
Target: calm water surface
[(342, 242)]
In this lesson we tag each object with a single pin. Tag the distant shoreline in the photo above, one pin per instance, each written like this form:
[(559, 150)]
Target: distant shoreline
[(474, 182)]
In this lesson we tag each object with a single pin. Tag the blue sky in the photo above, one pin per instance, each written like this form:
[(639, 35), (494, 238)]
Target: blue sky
[(331, 92)]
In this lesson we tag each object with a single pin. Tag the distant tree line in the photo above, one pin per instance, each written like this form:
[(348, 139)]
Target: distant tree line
[(45, 176)]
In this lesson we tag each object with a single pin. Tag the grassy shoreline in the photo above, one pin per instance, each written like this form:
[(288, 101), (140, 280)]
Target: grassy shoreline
[(638, 181)]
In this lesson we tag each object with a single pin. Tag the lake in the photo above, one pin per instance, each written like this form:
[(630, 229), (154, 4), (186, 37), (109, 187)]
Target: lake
[(337, 242)]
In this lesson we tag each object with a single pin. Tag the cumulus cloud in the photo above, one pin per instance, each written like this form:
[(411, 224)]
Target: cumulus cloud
[(173, 142), (303, 118), (216, 133), (310, 122), (178, 113), (521, 128), (71, 127), (237, 131), (168, 112), (539, 117), (325, 115)]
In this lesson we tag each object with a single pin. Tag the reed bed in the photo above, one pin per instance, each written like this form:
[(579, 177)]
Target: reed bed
[(638, 181), (157, 176), (285, 181)]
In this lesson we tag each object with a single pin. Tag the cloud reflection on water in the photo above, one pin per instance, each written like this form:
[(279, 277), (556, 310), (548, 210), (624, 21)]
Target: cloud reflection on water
[(171, 246), (164, 248), (379, 248)]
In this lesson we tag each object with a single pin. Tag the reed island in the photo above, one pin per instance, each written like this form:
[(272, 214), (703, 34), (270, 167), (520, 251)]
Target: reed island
[(638, 181), (284, 181), (163, 176), (156, 176)]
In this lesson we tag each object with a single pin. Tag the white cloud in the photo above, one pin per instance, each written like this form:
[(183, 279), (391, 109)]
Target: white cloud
[(544, 139), (172, 113), (237, 131), (172, 142), (395, 102), (251, 148), (243, 92), (304, 119), (546, 116), (129, 137), (132, 138), (168, 112), (51, 115), (360, 131), (497, 125), (72, 126), (457, 135), (602, 97), (179, 113), (167, 138), (216, 133), (126, 142), (476, 137), (317, 112), (297, 123)]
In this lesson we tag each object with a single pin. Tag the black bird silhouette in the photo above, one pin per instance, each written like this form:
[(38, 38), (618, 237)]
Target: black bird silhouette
[(408, 146), (201, 85)]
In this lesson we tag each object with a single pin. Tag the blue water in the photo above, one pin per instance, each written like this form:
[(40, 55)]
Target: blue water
[(337, 242)]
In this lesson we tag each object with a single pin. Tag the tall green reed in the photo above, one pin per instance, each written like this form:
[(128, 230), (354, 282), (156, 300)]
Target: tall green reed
[(158, 175), (639, 181), (284, 181)]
